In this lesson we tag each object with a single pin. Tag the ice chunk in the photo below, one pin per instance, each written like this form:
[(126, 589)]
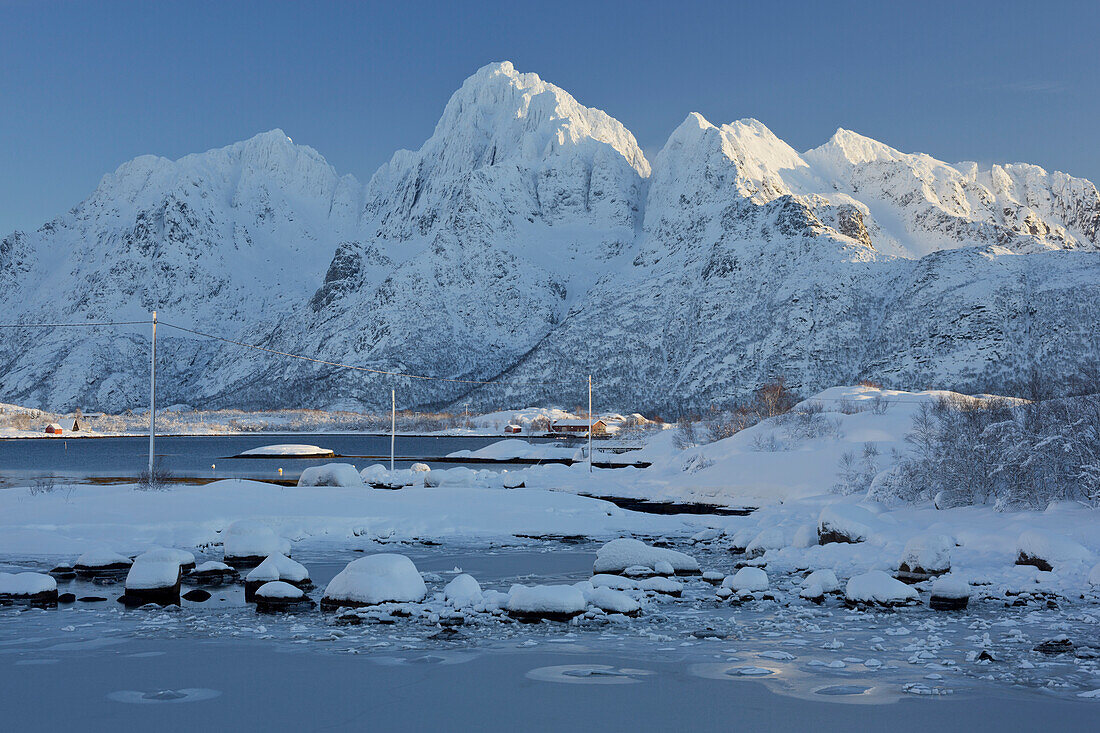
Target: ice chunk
[(289, 449), (374, 579), (618, 555), (331, 474)]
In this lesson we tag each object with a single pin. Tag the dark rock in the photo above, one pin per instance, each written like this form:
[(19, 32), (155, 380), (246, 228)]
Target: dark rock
[(196, 596), (115, 571), (1055, 646), (1025, 559), (825, 535), (91, 599), (283, 605), (63, 572), (534, 618), (942, 603), (169, 596), (985, 656), (213, 578), (66, 598), (916, 574)]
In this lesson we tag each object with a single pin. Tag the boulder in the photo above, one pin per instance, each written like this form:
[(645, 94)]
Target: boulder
[(375, 579), (845, 523), (197, 595), (66, 598), (102, 564), (36, 589), (63, 572), (949, 593), (154, 578), (925, 557), (1057, 645), (771, 538), (276, 568), (463, 591), (878, 588), (212, 573), (747, 580)]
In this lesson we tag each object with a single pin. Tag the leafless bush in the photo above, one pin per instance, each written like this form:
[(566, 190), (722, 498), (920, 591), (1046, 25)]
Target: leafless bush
[(157, 479), (856, 477), (42, 485), (879, 405)]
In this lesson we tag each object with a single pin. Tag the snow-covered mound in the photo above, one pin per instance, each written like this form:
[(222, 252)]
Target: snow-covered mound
[(525, 223), (463, 591), (878, 587), (375, 579), (618, 555), (545, 601), (19, 586), (277, 589), (278, 567), (101, 561), (295, 450), (747, 580), (248, 542), (330, 474), (1047, 550), (157, 569), (926, 555), (610, 600)]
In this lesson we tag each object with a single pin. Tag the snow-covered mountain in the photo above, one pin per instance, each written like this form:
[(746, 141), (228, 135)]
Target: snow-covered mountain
[(529, 239)]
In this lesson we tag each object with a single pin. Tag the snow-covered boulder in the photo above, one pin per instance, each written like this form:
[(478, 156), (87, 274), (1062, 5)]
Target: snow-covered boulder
[(32, 588), (817, 584), (949, 593), (845, 523), (538, 602), (375, 579), (1046, 550), (288, 450), (771, 538), (660, 584), (185, 558), (276, 568), (102, 564), (378, 476), (611, 600), (877, 587), (154, 578), (463, 591), (420, 468), (618, 555), (331, 474), (246, 543), (747, 580), (925, 556), (618, 582), (212, 572), (277, 596)]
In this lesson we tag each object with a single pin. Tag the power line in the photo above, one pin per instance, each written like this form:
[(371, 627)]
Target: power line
[(67, 325)]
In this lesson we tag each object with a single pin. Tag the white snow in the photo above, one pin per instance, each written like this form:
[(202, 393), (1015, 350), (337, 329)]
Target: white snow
[(950, 586), (211, 566), (1094, 575), (155, 569), (616, 582), (375, 579), (824, 579), (545, 599), (279, 589), (504, 450), (618, 555), (278, 567), (1053, 547), (878, 587), (330, 474), (610, 600), (463, 591), (288, 449), (26, 584), (930, 552), (249, 538), (747, 580), (850, 520), (99, 558)]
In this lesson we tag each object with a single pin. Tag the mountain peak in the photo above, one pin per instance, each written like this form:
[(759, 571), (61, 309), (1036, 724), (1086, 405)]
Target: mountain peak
[(855, 148)]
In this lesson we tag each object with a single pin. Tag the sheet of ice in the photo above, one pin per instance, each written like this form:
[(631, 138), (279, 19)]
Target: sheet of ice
[(375, 579), (878, 587), (514, 448), (330, 474), (618, 555), (154, 569), (288, 449)]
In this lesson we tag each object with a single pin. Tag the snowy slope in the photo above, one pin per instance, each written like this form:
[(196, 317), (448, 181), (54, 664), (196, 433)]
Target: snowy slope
[(529, 238)]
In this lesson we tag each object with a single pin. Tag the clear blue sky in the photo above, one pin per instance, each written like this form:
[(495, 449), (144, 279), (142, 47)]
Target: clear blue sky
[(86, 86)]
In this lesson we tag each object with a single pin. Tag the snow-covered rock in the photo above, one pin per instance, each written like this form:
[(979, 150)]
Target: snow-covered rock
[(924, 556), (375, 579), (825, 579), (537, 602), (772, 538), (618, 555), (949, 593), (879, 588), (31, 588), (294, 450), (101, 563), (276, 568), (330, 474), (212, 572), (277, 596), (463, 591), (747, 580), (1047, 550), (845, 523), (612, 601), (154, 578), (247, 543)]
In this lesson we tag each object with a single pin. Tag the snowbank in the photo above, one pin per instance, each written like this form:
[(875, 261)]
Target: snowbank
[(330, 474), (618, 555), (878, 587), (290, 450), (375, 579), (504, 450)]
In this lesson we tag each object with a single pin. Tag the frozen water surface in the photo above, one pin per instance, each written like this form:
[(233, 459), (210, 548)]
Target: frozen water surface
[(684, 663)]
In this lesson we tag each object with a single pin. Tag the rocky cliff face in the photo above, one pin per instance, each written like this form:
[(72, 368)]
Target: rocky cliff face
[(529, 239)]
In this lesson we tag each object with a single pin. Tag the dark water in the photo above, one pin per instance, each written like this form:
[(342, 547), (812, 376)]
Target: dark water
[(192, 456)]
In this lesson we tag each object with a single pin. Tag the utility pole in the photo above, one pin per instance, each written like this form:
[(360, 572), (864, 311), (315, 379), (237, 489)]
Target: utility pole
[(590, 423), (393, 423), (153, 398)]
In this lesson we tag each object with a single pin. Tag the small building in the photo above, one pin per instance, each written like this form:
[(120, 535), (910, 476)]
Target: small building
[(54, 429), (513, 429), (579, 427)]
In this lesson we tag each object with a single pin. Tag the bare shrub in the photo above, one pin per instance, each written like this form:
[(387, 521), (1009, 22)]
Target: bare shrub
[(879, 405), (42, 485), (157, 479)]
